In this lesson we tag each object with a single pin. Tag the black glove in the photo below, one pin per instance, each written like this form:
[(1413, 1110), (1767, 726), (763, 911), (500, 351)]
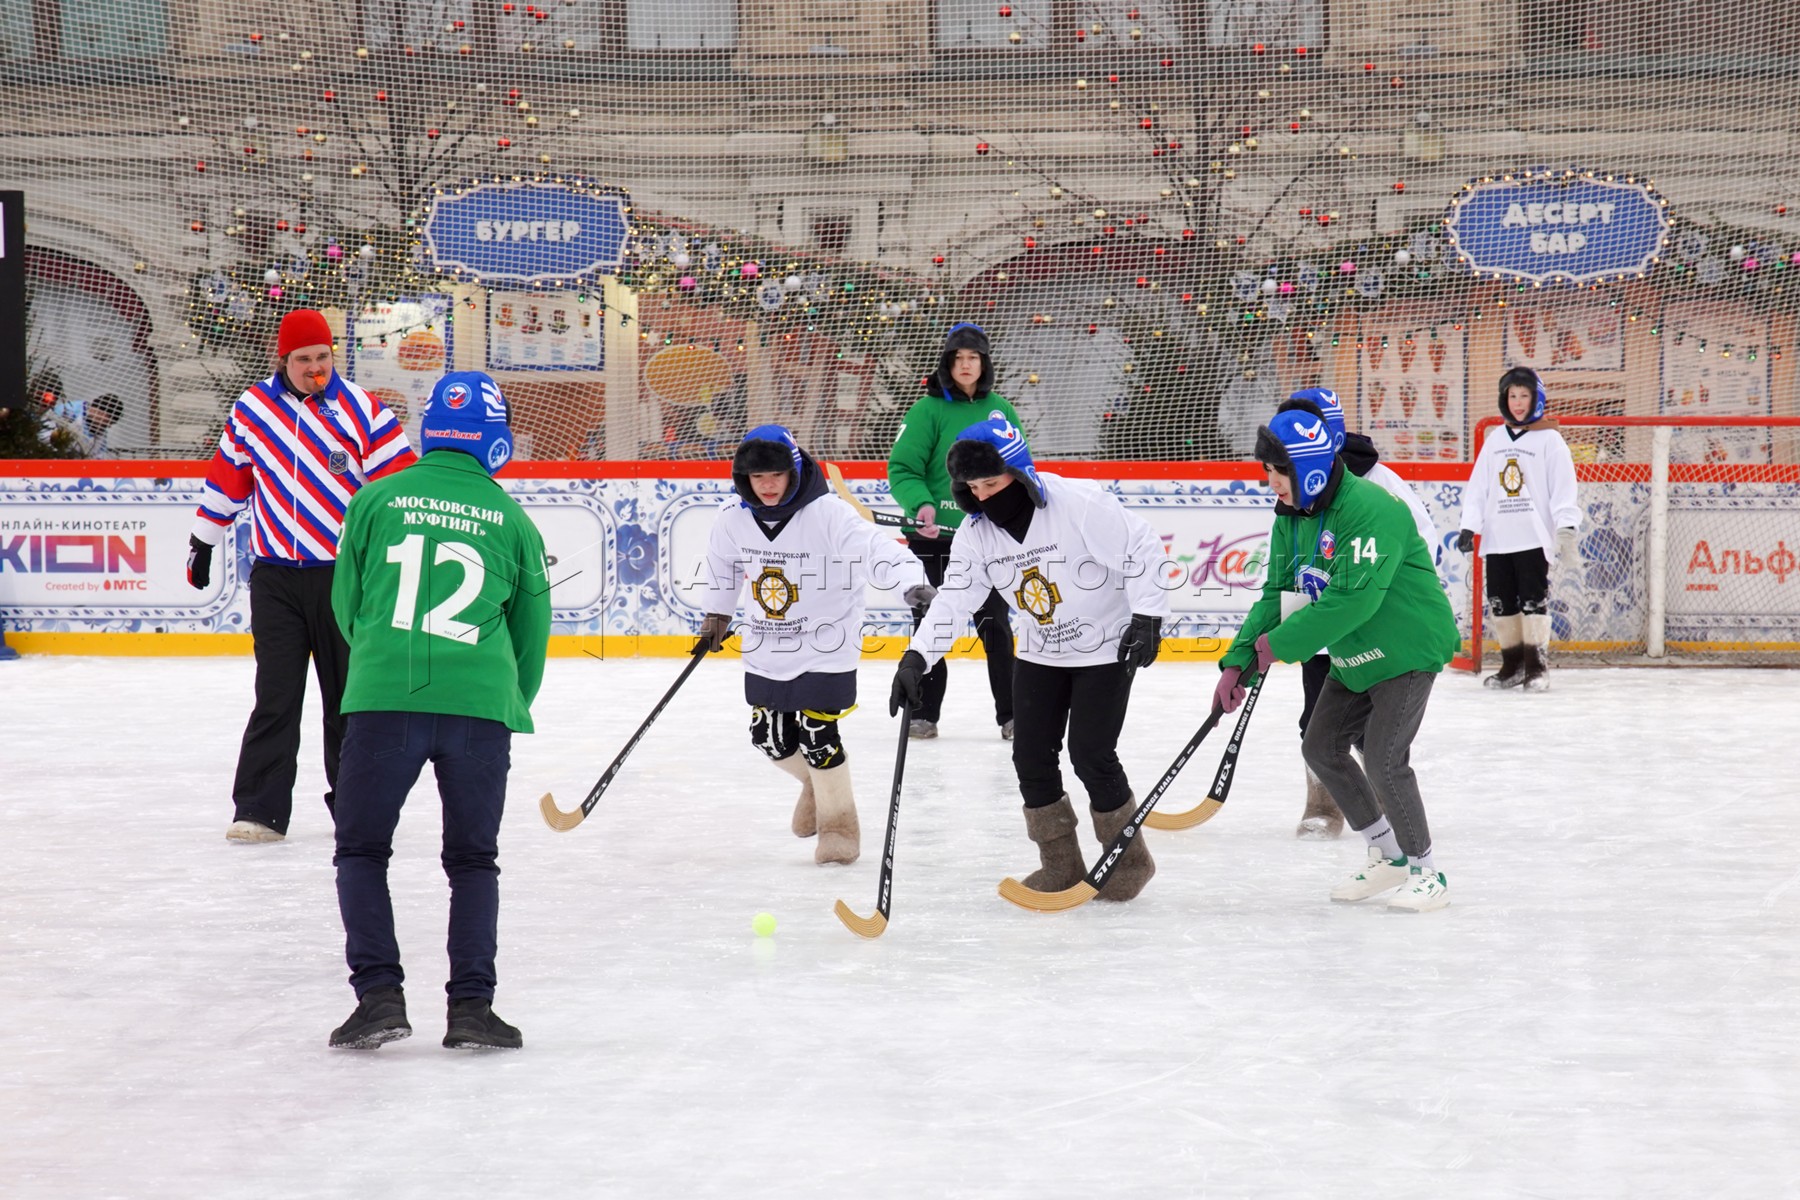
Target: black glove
[(909, 683), (1465, 541), (713, 632), (1140, 641), (199, 563)]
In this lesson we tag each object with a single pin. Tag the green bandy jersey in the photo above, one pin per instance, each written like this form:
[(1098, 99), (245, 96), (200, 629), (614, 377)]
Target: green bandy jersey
[(1382, 612), (916, 472), (442, 592)]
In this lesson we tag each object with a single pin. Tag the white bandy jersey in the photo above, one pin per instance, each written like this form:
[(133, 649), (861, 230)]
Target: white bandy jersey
[(1521, 492), (1086, 565), (1390, 482), (807, 585)]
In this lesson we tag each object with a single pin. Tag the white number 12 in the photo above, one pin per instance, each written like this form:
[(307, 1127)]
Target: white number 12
[(440, 621)]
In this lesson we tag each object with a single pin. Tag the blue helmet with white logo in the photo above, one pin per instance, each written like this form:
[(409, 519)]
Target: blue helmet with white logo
[(986, 449), (1299, 445), (466, 412), (1326, 401)]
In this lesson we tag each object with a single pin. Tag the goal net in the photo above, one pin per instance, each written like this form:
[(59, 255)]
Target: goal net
[(1689, 550), (1168, 213)]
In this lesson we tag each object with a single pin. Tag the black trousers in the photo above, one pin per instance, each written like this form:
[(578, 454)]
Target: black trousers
[(1088, 702), (993, 625), (291, 622)]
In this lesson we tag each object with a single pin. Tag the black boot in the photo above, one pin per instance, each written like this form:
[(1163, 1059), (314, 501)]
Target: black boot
[(380, 1017), (1536, 676), (474, 1023), (1512, 669)]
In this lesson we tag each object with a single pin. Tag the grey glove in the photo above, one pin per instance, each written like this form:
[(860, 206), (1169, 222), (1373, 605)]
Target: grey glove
[(919, 595), (1566, 549)]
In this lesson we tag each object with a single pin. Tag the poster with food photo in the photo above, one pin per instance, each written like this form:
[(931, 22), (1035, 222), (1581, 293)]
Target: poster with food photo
[(546, 331), (1565, 334), (1715, 364), (397, 350), (1411, 389)]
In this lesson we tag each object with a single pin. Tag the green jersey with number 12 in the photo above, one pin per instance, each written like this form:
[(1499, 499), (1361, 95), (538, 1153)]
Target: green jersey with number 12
[(442, 591)]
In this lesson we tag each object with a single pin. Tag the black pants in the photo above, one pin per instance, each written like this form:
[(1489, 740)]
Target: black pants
[(992, 624), (1313, 673), (291, 621), (383, 755), (1517, 583), (1089, 702)]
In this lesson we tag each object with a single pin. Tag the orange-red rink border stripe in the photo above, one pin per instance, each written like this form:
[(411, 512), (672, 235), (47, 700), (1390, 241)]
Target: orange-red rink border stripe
[(51, 468)]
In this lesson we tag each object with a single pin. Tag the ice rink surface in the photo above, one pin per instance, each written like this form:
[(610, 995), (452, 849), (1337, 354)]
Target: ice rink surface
[(1610, 1007)]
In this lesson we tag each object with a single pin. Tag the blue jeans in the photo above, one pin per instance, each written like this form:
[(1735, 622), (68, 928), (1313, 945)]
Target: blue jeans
[(382, 757)]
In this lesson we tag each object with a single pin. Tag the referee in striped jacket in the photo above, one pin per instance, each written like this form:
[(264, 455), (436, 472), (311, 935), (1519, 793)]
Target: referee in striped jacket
[(295, 448)]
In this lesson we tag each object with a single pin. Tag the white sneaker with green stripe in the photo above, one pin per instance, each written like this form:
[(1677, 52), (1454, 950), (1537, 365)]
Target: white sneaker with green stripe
[(1425, 891), (1380, 874)]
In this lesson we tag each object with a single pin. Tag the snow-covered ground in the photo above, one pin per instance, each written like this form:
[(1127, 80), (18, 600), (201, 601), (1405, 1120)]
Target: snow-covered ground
[(1610, 1006)]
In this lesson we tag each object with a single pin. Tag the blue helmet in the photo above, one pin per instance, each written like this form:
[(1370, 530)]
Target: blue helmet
[(466, 412), (986, 449), (1299, 445), (1327, 401)]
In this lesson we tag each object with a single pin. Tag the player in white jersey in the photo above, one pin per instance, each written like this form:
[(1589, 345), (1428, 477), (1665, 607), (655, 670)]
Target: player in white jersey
[(1321, 818), (1521, 501), (1080, 573), (808, 559)]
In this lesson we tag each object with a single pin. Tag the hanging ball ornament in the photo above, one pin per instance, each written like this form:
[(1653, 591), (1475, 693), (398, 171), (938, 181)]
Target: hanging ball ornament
[(1346, 267), (791, 283), (1267, 287), (366, 253), (750, 270), (682, 259), (1402, 257), (271, 276), (687, 283), (1737, 253)]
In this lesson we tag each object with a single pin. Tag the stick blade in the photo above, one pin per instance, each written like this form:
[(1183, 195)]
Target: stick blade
[(1200, 814), (557, 819), (1070, 897), (867, 927)]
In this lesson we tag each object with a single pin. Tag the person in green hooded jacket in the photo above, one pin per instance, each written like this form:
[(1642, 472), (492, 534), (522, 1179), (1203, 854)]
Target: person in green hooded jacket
[(960, 393), (1349, 574)]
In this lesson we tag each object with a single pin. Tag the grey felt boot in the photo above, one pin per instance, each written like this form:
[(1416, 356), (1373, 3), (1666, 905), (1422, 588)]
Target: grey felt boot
[(1135, 866), (1322, 820), (840, 836), (1053, 827)]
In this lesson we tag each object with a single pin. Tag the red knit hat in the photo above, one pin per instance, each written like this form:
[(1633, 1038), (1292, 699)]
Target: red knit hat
[(301, 328)]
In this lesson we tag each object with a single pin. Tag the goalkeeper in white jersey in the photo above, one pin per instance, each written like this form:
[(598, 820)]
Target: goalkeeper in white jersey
[(1521, 501), (1080, 573), (808, 559)]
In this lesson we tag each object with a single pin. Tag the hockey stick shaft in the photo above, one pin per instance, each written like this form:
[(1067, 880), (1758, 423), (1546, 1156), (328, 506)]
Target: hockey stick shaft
[(1221, 785), (874, 926), (561, 821), (1088, 888), (862, 510)]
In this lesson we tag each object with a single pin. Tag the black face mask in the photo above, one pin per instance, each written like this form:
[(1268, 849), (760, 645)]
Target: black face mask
[(1010, 509)]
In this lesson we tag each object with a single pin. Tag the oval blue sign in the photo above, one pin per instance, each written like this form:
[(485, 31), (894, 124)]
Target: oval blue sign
[(1558, 228), (527, 232)]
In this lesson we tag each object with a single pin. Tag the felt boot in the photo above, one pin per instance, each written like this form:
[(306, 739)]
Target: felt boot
[(1135, 866), (840, 837), (1053, 827), (1509, 632), (1322, 820), (806, 819), (1536, 677)]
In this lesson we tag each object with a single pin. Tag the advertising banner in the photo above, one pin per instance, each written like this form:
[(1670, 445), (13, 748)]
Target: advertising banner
[(1558, 226)]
